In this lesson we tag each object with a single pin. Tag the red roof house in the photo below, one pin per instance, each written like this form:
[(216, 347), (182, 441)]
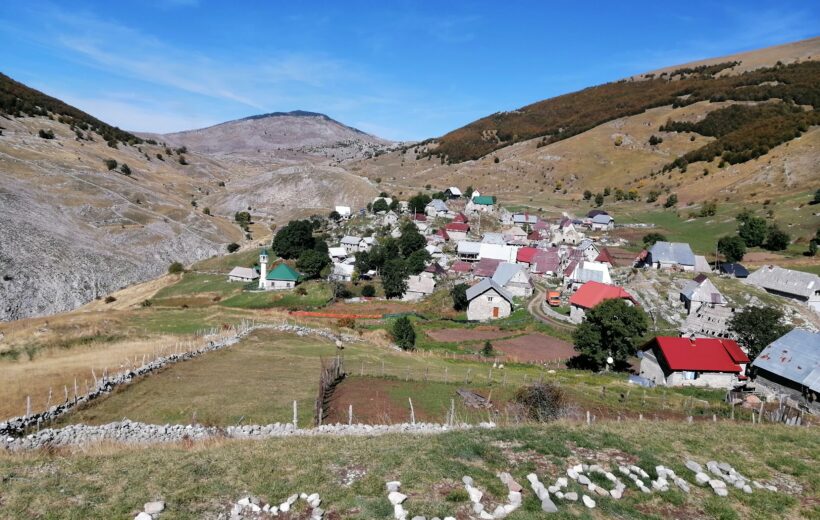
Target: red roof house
[(708, 362), (546, 262), (526, 255), (458, 226), (461, 218), (605, 257), (592, 293), (461, 267), (419, 217), (485, 267), (443, 234)]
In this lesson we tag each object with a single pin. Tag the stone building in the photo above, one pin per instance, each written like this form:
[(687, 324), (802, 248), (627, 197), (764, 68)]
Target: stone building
[(488, 301)]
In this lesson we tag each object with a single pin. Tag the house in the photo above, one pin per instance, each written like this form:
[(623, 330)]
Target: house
[(281, 277), (703, 362), (436, 269), (351, 244), (501, 252), (433, 251), (526, 255), (485, 268), (443, 235), (243, 274), (515, 235), (525, 220), (602, 223), (461, 218), (700, 292), (546, 262), (475, 194), (457, 230), (708, 320), (595, 212), (797, 285), (337, 253), (584, 272), (367, 243), (468, 251), (437, 208), (514, 278), (342, 272), (488, 301), (390, 218), (493, 238), (483, 203), (419, 286), (591, 294), (671, 255), (790, 366), (343, 211), (452, 192), (566, 233), (605, 257), (461, 268), (588, 248), (702, 265), (733, 269)]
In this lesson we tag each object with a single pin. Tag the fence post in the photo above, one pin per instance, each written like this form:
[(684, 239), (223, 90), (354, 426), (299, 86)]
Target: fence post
[(452, 411), (28, 405), (446, 377), (295, 421), (589, 420), (350, 415), (412, 412)]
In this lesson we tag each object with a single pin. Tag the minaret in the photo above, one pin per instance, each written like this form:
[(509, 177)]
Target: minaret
[(263, 267)]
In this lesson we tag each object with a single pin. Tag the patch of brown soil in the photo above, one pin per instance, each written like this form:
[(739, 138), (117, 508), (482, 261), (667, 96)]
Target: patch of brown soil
[(371, 307), (535, 348), (372, 403), (476, 334)]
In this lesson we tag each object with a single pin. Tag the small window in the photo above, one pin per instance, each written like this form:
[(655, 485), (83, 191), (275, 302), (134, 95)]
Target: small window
[(489, 298)]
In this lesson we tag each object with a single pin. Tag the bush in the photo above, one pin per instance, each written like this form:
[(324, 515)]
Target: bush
[(125, 169), (655, 140), (182, 160), (206, 211), (776, 239), (368, 291), (541, 402), (459, 294), (404, 334), (671, 201), (487, 349), (110, 163), (46, 134), (232, 247), (176, 268), (346, 323), (650, 238), (110, 299), (146, 303)]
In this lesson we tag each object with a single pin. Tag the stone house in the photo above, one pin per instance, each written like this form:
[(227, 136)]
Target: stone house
[(702, 362), (515, 278), (352, 244), (419, 286), (457, 230), (243, 274), (602, 222), (701, 292), (437, 208), (790, 366), (488, 301), (797, 285)]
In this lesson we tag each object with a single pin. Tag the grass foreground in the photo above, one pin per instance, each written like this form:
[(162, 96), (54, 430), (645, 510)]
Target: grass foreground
[(201, 480)]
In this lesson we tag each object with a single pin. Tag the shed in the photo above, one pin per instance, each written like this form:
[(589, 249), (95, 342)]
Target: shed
[(514, 278), (791, 366), (665, 255), (243, 274), (797, 285)]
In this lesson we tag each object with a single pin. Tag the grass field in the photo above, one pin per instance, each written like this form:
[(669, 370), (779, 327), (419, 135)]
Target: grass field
[(317, 295), (203, 479)]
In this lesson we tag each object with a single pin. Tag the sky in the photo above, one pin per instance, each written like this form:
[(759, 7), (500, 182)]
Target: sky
[(400, 70)]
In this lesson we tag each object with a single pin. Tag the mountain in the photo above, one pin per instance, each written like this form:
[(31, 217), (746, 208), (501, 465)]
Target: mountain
[(284, 135), (87, 208)]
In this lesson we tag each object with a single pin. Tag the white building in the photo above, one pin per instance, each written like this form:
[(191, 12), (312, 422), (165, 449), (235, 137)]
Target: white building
[(488, 301), (343, 211), (242, 274), (281, 277), (419, 286), (514, 278)]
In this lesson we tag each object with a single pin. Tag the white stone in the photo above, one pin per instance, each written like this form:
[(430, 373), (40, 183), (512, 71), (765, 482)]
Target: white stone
[(143, 516), (588, 501), (702, 478), (154, 508), (396, 498), (393, 485), (571, 496)]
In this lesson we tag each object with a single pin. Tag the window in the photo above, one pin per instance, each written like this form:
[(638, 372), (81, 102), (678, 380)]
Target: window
[(489, 298)]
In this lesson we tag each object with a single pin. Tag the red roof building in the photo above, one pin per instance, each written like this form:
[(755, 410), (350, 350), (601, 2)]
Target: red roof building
[(458, 226), (592, 293), (546, 262), (700, 354), (485, 267), (461, 218), (419, 217), (526, 255), (605, 257), (461, 267), (443, 234)]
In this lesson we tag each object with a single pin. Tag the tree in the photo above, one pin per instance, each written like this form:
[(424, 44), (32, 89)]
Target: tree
[(295, 237), (776, 239), (110, 163), (812, 248), (816, 197), (751, 229), (394, 205), (243, 218), (708, 209), (599, 199), (418, 202), (468, 193), (732, 248), (206, 211), (611, 328), (362, 263), (655, 140), (311, 263), (125, 169), (380, 205), (233, 247), (755, 327), (334, 216), (46, 134), (650, 238), (671, 201), (587, 194), (394, 278), (410, 240), (487, 349), (417, 261), (404, 334), (459, 295), (368, 291), (176, 268)]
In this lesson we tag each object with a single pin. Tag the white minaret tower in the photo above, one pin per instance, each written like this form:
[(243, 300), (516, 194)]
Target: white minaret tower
[(263, 267)]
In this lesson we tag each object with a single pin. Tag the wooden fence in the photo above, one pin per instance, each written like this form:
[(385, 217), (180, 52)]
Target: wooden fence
[(332, 373)]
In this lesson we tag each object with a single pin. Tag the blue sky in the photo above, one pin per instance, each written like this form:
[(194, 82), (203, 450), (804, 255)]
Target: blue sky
[(401, 70)]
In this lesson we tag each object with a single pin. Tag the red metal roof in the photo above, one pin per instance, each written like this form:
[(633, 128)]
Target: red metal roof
[(731, 346), (605, 257), (443, 234), (592, 293), (698, 354), (526, 254), (420, 217), (486, 267), (461, 267), (457, 226), (546, 261), (461, 217)]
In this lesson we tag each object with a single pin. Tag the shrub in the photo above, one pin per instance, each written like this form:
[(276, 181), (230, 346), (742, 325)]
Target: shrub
[(232, 247), (650, 238), (368, 291), (110, 299), (487, 349), (346, 323), (110, 163), (125, 169), (776, 239), (404, 334), (159, 156), (146, 303), (176, 268), (671, 201), (206, 211), (459, 295), (541, 402), (182, 160), (655, 140), (46, 134)]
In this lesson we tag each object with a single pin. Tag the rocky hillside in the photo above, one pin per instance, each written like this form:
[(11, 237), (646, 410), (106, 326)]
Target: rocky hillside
[(280, 135)]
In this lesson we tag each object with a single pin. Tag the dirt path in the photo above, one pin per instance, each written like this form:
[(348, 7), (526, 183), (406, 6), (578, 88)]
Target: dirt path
[(534, 308)]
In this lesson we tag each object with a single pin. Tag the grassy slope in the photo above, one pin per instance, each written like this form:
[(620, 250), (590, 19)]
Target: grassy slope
[(203, 480)]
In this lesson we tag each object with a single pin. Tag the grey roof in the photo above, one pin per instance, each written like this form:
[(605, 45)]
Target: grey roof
[(786, 281), (702, 291), (505, 271), (585, 244), (672, 252), (493, 238), (485, 285), (589, 275), (244, 272), (468, 247), (794, 356), (351, 240), (525, 218), (439, 205), (602, 219)]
